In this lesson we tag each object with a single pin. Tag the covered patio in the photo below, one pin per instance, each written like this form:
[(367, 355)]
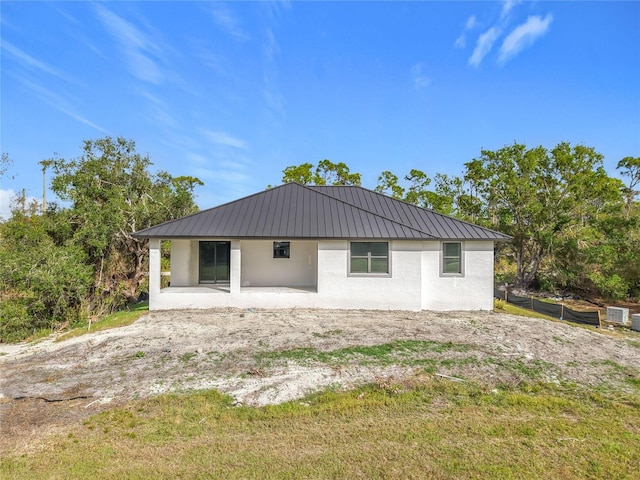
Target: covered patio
[(210, 273)]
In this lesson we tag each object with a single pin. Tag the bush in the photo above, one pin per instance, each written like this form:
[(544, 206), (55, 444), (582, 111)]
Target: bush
[(15, 323), (612, 287), (499, 304), (44, 285), (505, 271)]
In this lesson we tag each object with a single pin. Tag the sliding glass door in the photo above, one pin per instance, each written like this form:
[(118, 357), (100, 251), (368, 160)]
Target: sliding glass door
[(215, 262)]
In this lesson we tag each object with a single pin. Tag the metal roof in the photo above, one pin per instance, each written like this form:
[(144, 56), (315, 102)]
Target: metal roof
[(437, 224), (298, 211)]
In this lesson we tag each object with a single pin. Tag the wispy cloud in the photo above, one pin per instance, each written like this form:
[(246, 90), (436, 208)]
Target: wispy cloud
[(196, 158), (66, 15), (60, 103), (224, 139), (161, 112), (420, 79), (520, 37), (271, 93), (227, 21), (523, 36), (275, 9), (507, 6), (228, 178), (31, 62), (472, 23), (484, 46), (136, 45), (35, 67)]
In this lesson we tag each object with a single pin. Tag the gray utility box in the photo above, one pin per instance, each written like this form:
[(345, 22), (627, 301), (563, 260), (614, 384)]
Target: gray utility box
[(635, 322), (618, 315)]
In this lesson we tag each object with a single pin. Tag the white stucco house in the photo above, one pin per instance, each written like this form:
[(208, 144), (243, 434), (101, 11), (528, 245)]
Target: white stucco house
[(322, 247)]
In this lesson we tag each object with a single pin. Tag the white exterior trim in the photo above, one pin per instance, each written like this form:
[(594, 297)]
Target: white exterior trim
[(449, 274)]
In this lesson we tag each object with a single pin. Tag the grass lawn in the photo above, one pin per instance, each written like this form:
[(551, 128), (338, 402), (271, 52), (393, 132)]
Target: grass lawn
[(422, 428), (117, 319)]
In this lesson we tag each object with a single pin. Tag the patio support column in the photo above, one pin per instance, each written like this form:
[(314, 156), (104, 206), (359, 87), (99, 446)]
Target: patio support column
[(235, 276), (154, 271)]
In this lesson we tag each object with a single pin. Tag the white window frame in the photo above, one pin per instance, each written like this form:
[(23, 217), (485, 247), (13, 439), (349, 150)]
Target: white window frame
[(442, 258), (369, 257)]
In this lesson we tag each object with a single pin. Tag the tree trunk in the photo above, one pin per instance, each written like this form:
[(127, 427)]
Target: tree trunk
[(527, 268)]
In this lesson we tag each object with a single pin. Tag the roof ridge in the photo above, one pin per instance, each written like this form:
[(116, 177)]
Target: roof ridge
[(417, 206), (310, 187)]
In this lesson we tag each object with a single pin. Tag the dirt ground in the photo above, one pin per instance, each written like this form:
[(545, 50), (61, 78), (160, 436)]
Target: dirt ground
[(48, 385)]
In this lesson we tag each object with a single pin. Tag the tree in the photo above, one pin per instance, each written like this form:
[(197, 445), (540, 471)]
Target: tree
[(630, 167), (329, 173), (325, 173), (66, 264), (416, 193), (113, 194), (545, 199), (5, 163), (301, 174), (388, 185), (43, 284), (623, 233), (448, 195)]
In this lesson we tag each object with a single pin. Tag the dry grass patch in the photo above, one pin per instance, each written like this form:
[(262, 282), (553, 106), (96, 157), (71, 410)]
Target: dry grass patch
[(422, 427)]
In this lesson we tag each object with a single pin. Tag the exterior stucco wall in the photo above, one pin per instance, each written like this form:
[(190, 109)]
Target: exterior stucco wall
[(400, 291), (471, 291), (181, 263), (415, 282), (259, 268)]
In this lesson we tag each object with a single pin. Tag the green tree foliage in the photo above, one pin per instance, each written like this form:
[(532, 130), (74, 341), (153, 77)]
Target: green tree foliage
[(630, 167), (624, 232), (82, 260), (552, 202), (113, 194), (388, 185), (325, 173), (5, 163), (43, 283), (447, 196), (302, 174), (574, 227)]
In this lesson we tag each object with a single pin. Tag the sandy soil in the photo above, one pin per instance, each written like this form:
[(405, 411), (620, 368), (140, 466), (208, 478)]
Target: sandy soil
[(48, 385)]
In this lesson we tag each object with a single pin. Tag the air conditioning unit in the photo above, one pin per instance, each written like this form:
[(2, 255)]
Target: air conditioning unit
[(618, 315), (635, 322)]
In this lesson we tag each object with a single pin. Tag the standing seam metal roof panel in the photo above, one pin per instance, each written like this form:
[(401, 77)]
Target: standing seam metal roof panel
[(438, 224), (297, 211)]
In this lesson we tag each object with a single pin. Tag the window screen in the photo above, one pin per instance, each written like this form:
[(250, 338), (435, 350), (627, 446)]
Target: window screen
[(369, 257)]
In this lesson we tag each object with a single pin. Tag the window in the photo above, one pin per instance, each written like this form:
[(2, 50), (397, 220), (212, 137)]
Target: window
[(281, 249), (369, 258), (452, 258)]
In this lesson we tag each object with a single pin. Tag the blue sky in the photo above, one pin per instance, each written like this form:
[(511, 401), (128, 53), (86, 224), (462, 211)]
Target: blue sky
[(234, 92)]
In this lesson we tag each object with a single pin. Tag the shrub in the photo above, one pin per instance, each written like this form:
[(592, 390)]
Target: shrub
[(612, 287), (15, 323), (499, 304)]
